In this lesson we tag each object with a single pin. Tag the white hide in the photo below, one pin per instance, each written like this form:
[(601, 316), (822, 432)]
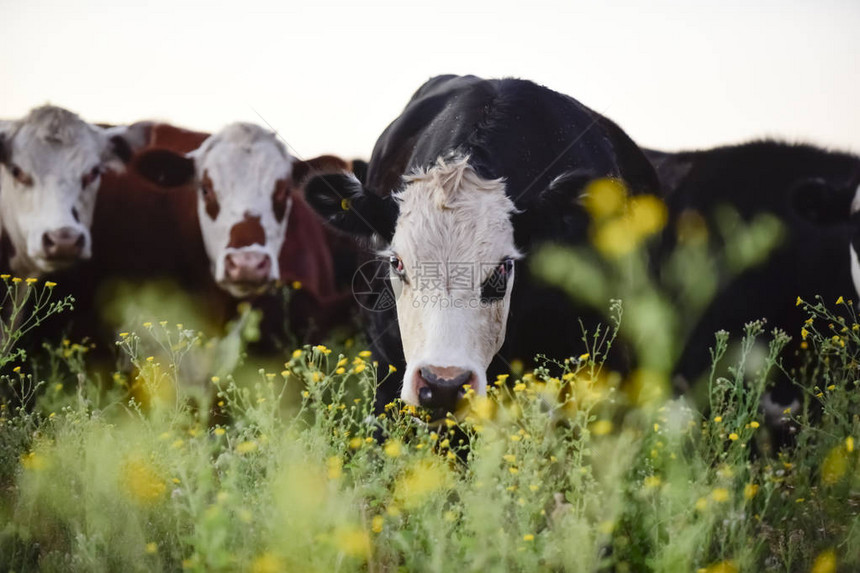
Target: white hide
[(244, 163), (451, 219), (51, 150), (855, 261)]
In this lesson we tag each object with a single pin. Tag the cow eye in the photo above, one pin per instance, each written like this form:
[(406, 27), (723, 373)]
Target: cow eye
[(20, 176), (496, 285), (397, 266), (88, 178)]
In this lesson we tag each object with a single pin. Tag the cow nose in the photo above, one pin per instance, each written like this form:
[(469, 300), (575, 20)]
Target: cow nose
[(442, 387), (63, 243), (248, 267)]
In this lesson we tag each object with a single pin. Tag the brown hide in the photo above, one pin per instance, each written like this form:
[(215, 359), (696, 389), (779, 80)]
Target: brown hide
[(142, 232)]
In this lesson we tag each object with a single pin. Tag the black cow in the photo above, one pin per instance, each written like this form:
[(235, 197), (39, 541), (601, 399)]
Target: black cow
[(812, 192), (470, 177)]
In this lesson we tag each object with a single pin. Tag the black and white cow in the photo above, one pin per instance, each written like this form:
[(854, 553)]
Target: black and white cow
[(51, 163), (470, 178), (813, 192)]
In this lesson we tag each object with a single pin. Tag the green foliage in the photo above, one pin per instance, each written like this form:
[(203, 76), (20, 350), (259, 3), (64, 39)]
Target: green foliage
[(25, 305), (192, 458), (556, 472)]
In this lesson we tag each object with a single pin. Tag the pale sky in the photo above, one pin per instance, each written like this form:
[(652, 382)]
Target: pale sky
[(330, 75)]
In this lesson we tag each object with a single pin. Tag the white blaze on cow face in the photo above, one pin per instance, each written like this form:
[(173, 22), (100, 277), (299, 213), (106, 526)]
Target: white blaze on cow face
[(49, 174), (855, 257), (453, 234), (243, 204)]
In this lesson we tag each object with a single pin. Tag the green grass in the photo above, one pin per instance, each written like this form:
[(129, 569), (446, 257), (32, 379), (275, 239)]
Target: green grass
[(565, 473)]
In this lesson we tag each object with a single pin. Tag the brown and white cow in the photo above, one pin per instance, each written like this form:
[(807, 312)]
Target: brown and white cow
[(190, 209), (51, 163), (255, 227)]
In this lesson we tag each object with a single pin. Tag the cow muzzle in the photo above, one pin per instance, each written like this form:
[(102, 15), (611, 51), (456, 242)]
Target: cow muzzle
[(249, 272), (63, 245), (442, 389)]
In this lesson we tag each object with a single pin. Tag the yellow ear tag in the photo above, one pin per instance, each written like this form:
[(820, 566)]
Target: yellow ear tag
[(344, 204)]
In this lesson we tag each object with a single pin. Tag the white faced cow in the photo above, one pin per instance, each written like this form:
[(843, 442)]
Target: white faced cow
[(245, 178), (51, 162), (470, 175)]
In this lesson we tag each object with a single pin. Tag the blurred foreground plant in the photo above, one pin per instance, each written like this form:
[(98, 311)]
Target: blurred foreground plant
[(666, 278)]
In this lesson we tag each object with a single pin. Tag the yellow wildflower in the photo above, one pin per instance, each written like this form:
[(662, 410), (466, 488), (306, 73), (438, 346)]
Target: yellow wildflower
[(392, 448), (652, 482), (528, 537), (50, 284), (267, 563), (750, 490), (420, 482), (604, 197), (33, 461), (733, 437), (834, 466), (849, 444), (601, 427), (840, 300), (825, 562), (151, 547), (721, 567), (720, 495), (335, 467), (353, 542), (376, 523), (141, 482), (648, 214), (246, 447)]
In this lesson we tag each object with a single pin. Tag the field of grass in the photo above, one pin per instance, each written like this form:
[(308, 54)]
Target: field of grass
[(567, 467), (295, 473)]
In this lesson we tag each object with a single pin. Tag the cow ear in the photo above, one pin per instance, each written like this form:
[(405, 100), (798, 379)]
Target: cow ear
[(821, 203), (556, 211), (343, 202), (5, 132), (359, 169), (165, 168), (123, 142), (305, 169), (672, 168)]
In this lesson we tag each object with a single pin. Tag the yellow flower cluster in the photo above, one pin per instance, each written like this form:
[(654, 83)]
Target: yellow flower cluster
[(620, 224)]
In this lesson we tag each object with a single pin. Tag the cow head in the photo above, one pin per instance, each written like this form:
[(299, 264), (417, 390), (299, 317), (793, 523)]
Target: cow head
[(451, 253), (50, 167), (244, 177), (825, 203)]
